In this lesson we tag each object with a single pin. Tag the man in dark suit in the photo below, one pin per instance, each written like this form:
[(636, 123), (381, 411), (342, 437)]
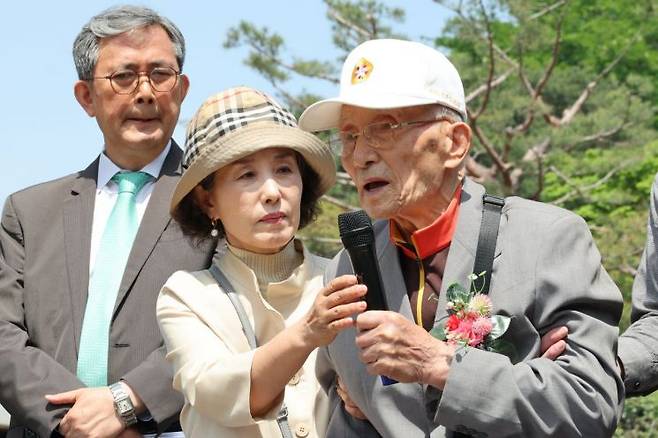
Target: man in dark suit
[(83, 257)]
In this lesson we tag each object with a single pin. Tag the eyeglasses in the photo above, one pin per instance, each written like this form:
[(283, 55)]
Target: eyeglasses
[(161, 79), (378, 135)]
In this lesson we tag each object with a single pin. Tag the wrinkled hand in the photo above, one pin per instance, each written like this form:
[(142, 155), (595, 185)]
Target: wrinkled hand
[(350, 407), (553, 343), (92, 414), (393, 346), (333, 310)]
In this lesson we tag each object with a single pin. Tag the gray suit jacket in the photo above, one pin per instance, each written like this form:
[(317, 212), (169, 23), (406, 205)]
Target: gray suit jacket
[(547, 272), (45, 240), (638, 346)]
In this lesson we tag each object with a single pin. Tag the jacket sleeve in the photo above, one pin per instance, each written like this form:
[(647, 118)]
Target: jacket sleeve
[(27, 373), (341, 424), (576, 395), (638, 346), (151, 380), (215, 380)]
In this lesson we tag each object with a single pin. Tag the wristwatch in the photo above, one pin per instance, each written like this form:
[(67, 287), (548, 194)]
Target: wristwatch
[(123, 405)]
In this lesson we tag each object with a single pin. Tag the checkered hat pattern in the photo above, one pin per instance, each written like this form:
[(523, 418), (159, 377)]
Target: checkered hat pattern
[(238, 122), (226, 112)]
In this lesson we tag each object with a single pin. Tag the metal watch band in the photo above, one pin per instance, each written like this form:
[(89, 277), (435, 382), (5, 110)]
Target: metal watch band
[(123, 405)]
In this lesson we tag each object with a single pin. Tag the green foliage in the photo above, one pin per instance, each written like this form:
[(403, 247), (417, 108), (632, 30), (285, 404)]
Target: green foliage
[(321, 236), (269, 49), (640, 419), (354, 22)]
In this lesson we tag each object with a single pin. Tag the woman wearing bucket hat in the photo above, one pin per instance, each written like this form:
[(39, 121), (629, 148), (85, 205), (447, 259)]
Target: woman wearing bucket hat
[(242, 335)]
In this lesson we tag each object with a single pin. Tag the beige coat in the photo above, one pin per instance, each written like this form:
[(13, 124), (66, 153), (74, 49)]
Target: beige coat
[(211, 356)]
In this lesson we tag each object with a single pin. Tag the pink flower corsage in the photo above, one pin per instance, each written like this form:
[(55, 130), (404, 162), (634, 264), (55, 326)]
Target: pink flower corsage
[(470, 322)]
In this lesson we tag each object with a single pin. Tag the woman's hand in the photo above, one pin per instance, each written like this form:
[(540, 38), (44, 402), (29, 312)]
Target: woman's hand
[(350, 407), (333, 310)]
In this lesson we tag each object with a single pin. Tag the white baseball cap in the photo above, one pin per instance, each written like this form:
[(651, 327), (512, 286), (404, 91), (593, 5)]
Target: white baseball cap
[(388, 73)]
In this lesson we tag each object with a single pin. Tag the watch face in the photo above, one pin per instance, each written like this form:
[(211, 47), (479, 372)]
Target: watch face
[(123, 406)]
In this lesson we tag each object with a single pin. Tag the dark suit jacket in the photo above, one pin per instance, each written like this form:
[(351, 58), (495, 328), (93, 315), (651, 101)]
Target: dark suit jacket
[(45, 240), (547, 272)]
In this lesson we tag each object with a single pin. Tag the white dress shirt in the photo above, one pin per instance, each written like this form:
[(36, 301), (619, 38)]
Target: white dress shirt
[(107, 192), (106, 195)]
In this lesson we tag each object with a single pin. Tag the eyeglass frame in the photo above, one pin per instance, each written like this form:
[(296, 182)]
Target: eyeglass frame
[(139, 74), (393, 127)]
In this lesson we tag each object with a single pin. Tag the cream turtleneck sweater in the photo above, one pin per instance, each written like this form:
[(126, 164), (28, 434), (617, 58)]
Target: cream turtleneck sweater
[(270, 268), (210, 353)]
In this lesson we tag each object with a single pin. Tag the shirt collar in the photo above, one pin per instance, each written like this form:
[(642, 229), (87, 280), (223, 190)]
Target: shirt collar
[(107, 169), (433, 238)]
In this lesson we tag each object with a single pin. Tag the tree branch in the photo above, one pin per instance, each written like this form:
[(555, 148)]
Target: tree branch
[(477, 30), (489, 86), (598, 137), (566, 179), (546, 10), (540, 178), (292, 100), (344, 178), (537, 151), (627, 269), (569, 113), (373, 26), (488, 146), (477, 171), (278, 61), (551, 66), (583, 190), (348, 24), (490, 74)]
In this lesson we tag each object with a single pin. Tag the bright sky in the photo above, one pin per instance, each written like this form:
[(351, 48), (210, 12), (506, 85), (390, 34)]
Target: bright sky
[(45, 134)]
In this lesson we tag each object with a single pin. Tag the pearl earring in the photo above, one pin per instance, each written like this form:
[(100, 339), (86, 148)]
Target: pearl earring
[(214, 232)]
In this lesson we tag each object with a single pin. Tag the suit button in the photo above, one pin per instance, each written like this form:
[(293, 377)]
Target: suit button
[(301, 430)]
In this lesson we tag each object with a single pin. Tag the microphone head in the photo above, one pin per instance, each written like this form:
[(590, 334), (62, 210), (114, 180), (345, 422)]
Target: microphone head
[(355, 228)]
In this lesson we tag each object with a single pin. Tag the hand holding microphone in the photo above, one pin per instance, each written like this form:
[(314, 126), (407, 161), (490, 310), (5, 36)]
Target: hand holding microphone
[(358, 238)]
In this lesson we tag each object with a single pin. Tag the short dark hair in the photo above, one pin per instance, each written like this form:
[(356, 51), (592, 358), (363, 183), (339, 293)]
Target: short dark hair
[(196, 225)]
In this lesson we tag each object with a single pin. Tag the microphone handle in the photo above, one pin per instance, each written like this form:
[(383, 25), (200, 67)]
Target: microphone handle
[(366, 268)]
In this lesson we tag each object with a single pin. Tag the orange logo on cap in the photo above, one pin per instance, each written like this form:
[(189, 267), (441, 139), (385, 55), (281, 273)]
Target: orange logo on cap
[(361, 71)]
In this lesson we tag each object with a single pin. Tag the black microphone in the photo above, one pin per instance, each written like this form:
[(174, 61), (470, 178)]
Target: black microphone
[(358, 239)]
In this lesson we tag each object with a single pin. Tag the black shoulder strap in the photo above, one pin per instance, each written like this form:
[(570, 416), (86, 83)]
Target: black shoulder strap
[(492, 207)]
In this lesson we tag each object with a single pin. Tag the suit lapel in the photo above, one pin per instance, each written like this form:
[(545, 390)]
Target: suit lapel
[(78, 214), (464, 243), (155, 220), (392, 277)]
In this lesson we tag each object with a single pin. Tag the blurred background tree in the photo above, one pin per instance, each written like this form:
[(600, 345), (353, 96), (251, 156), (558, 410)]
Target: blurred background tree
[(562, 102)]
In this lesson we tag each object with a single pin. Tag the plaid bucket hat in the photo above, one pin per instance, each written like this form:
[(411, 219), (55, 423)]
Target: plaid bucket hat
[(238, 122)]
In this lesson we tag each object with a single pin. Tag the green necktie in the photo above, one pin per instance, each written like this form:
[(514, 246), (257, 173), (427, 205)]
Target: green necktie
[(105, 279)]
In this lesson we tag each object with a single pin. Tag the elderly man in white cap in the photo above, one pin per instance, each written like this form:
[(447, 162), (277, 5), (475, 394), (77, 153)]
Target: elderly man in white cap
[(401, 120)]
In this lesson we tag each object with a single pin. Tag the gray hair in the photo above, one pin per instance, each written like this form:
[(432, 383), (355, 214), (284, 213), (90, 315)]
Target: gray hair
[(113, 22), (439, 111)]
